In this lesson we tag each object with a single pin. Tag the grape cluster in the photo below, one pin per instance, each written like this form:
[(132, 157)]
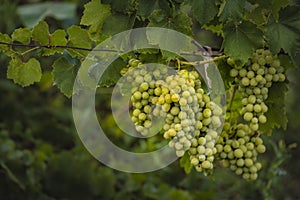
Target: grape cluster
[(238, 148), (254, 80), (191, 119), (239, 144)]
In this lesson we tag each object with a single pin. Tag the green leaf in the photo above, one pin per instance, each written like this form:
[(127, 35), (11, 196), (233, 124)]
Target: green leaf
[(112, 74), (78, 37), (58, 38), (94, 15), (185, 163), (203, 10), (22, 35), (232, 11), (276, 114), (4, 38), (261, 10), (180, 22), (277, 5), (40, 33), (116, 23), (240, 41), (122, 6), (31, 14), (285, 34), (146, 7), (24, 74), (64, 73)]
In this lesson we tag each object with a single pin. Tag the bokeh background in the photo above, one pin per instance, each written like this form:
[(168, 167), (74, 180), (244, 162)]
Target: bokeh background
[(41, 156)]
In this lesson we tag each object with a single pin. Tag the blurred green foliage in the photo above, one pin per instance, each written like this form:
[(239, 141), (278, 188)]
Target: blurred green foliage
[(41, 157)]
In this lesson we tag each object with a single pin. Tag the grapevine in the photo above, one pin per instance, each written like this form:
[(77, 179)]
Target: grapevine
[(252, 44)]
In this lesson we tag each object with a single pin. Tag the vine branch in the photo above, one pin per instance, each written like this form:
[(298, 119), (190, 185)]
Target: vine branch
[(37, 46), (203, 61)]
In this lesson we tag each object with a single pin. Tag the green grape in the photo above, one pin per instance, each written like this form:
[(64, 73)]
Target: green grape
[(248, 116), (261, 148), (238, 153), (234, 72)]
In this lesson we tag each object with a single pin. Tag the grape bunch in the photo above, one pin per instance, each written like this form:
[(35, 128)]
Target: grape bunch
[(191, 119), (238, 148), (240, 143), (254, 81)]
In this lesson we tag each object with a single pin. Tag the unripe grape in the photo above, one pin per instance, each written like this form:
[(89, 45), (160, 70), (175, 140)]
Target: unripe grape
[(243, 72), (202, 158), (238, 153), (207, 113), (261, 61), (281, 77), (233, 72), (245, 81), (227, 148), (255, 66), (260, 71), (253, 176), (206, 164), (142, 117), (136, 112), (179, 153), (257, 108), (248, 116), (248, 162), (246, 176), (137, 95), (251, 99), (239, 171), (275, 63), (240, 162), (249, 107), (262, 119), (194, 161), (250, 74), (261, 148), (230, 61)]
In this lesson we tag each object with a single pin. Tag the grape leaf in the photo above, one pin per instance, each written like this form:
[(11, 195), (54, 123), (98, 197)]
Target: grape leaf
[(232, 11), (78, 37), (240, 41), (180, 22), (276, 114), (185, 163), (146, 7), (40, 33), (58, 38), (64, 73), (285, 33), (116, 23), (112, 74), (94, 15), (24, 74), (22, 35), (4, 38), (203, 10), (266, 7), (122, 6)]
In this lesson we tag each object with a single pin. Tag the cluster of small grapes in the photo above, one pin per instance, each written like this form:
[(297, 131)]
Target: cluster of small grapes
[(239, 145), (190, 117), (254, 80), (238, 149)]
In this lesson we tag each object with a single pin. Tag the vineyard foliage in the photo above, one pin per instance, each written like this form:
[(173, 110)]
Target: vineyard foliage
[(46, 46)]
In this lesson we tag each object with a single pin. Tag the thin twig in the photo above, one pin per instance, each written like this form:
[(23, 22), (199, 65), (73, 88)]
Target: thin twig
[(58, 46), (203, 61)]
